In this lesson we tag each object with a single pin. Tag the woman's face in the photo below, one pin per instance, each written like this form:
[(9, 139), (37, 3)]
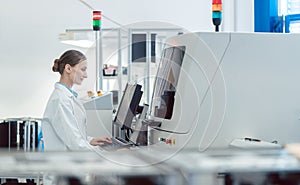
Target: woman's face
[(79, 72)]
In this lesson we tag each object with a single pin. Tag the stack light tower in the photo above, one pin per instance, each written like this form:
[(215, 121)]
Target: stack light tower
[(217, 13), (97, 19)]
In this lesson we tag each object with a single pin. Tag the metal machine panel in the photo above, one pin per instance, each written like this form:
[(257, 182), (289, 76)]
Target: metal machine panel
[(235, 85)]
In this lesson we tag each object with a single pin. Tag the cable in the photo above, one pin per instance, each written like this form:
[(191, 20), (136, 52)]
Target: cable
[(169, 131), (86, 4), (128, 138)]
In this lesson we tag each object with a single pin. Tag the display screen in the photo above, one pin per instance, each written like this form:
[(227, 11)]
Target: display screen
[(128, 105), (166, 80)]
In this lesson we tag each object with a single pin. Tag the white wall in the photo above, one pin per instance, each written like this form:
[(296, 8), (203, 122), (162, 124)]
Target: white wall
[(29, 38), (238, 16)]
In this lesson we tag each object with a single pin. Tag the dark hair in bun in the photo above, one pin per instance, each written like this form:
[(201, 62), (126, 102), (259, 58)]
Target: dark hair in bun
[(55, 65), (71, 57)]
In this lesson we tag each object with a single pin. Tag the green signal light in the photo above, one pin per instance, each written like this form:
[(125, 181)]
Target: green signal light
[(97, 20)]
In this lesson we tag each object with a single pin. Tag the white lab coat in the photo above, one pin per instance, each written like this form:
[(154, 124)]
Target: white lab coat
[(64, 122)]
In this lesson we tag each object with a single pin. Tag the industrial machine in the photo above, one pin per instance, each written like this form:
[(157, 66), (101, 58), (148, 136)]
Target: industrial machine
[(99, 112), (214, 88)]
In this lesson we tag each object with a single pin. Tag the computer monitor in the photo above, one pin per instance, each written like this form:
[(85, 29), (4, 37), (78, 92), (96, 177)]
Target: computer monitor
[(128, 105), (166, 81)]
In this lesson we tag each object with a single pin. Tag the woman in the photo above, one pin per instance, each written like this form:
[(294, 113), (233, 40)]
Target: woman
[(64, 123)]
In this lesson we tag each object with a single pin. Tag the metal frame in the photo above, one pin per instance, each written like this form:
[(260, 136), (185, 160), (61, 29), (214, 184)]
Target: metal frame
[(289, 19), (99, 54)]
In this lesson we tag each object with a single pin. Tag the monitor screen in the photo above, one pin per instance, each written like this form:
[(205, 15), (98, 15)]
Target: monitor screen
[(166, 80), (128, 105), (138, 47)]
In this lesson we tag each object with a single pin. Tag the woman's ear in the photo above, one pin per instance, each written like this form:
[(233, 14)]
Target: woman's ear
[(68, 68)]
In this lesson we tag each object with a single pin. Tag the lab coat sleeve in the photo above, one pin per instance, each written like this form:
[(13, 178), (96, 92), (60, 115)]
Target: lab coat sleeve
[(89, 138), (65, 125)]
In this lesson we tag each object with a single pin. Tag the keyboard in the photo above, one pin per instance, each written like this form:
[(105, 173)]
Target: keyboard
[(117, 143)]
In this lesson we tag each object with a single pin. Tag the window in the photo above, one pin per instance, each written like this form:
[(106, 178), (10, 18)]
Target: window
[(291, 10)]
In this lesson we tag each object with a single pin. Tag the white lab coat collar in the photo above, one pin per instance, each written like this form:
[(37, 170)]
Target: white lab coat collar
[(64, 90), (70, 95)]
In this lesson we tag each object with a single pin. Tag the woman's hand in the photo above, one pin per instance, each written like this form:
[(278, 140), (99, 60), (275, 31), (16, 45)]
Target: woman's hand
[(98, 141)]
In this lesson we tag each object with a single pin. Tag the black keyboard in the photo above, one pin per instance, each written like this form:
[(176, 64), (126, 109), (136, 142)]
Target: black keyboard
[(117, 143)]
